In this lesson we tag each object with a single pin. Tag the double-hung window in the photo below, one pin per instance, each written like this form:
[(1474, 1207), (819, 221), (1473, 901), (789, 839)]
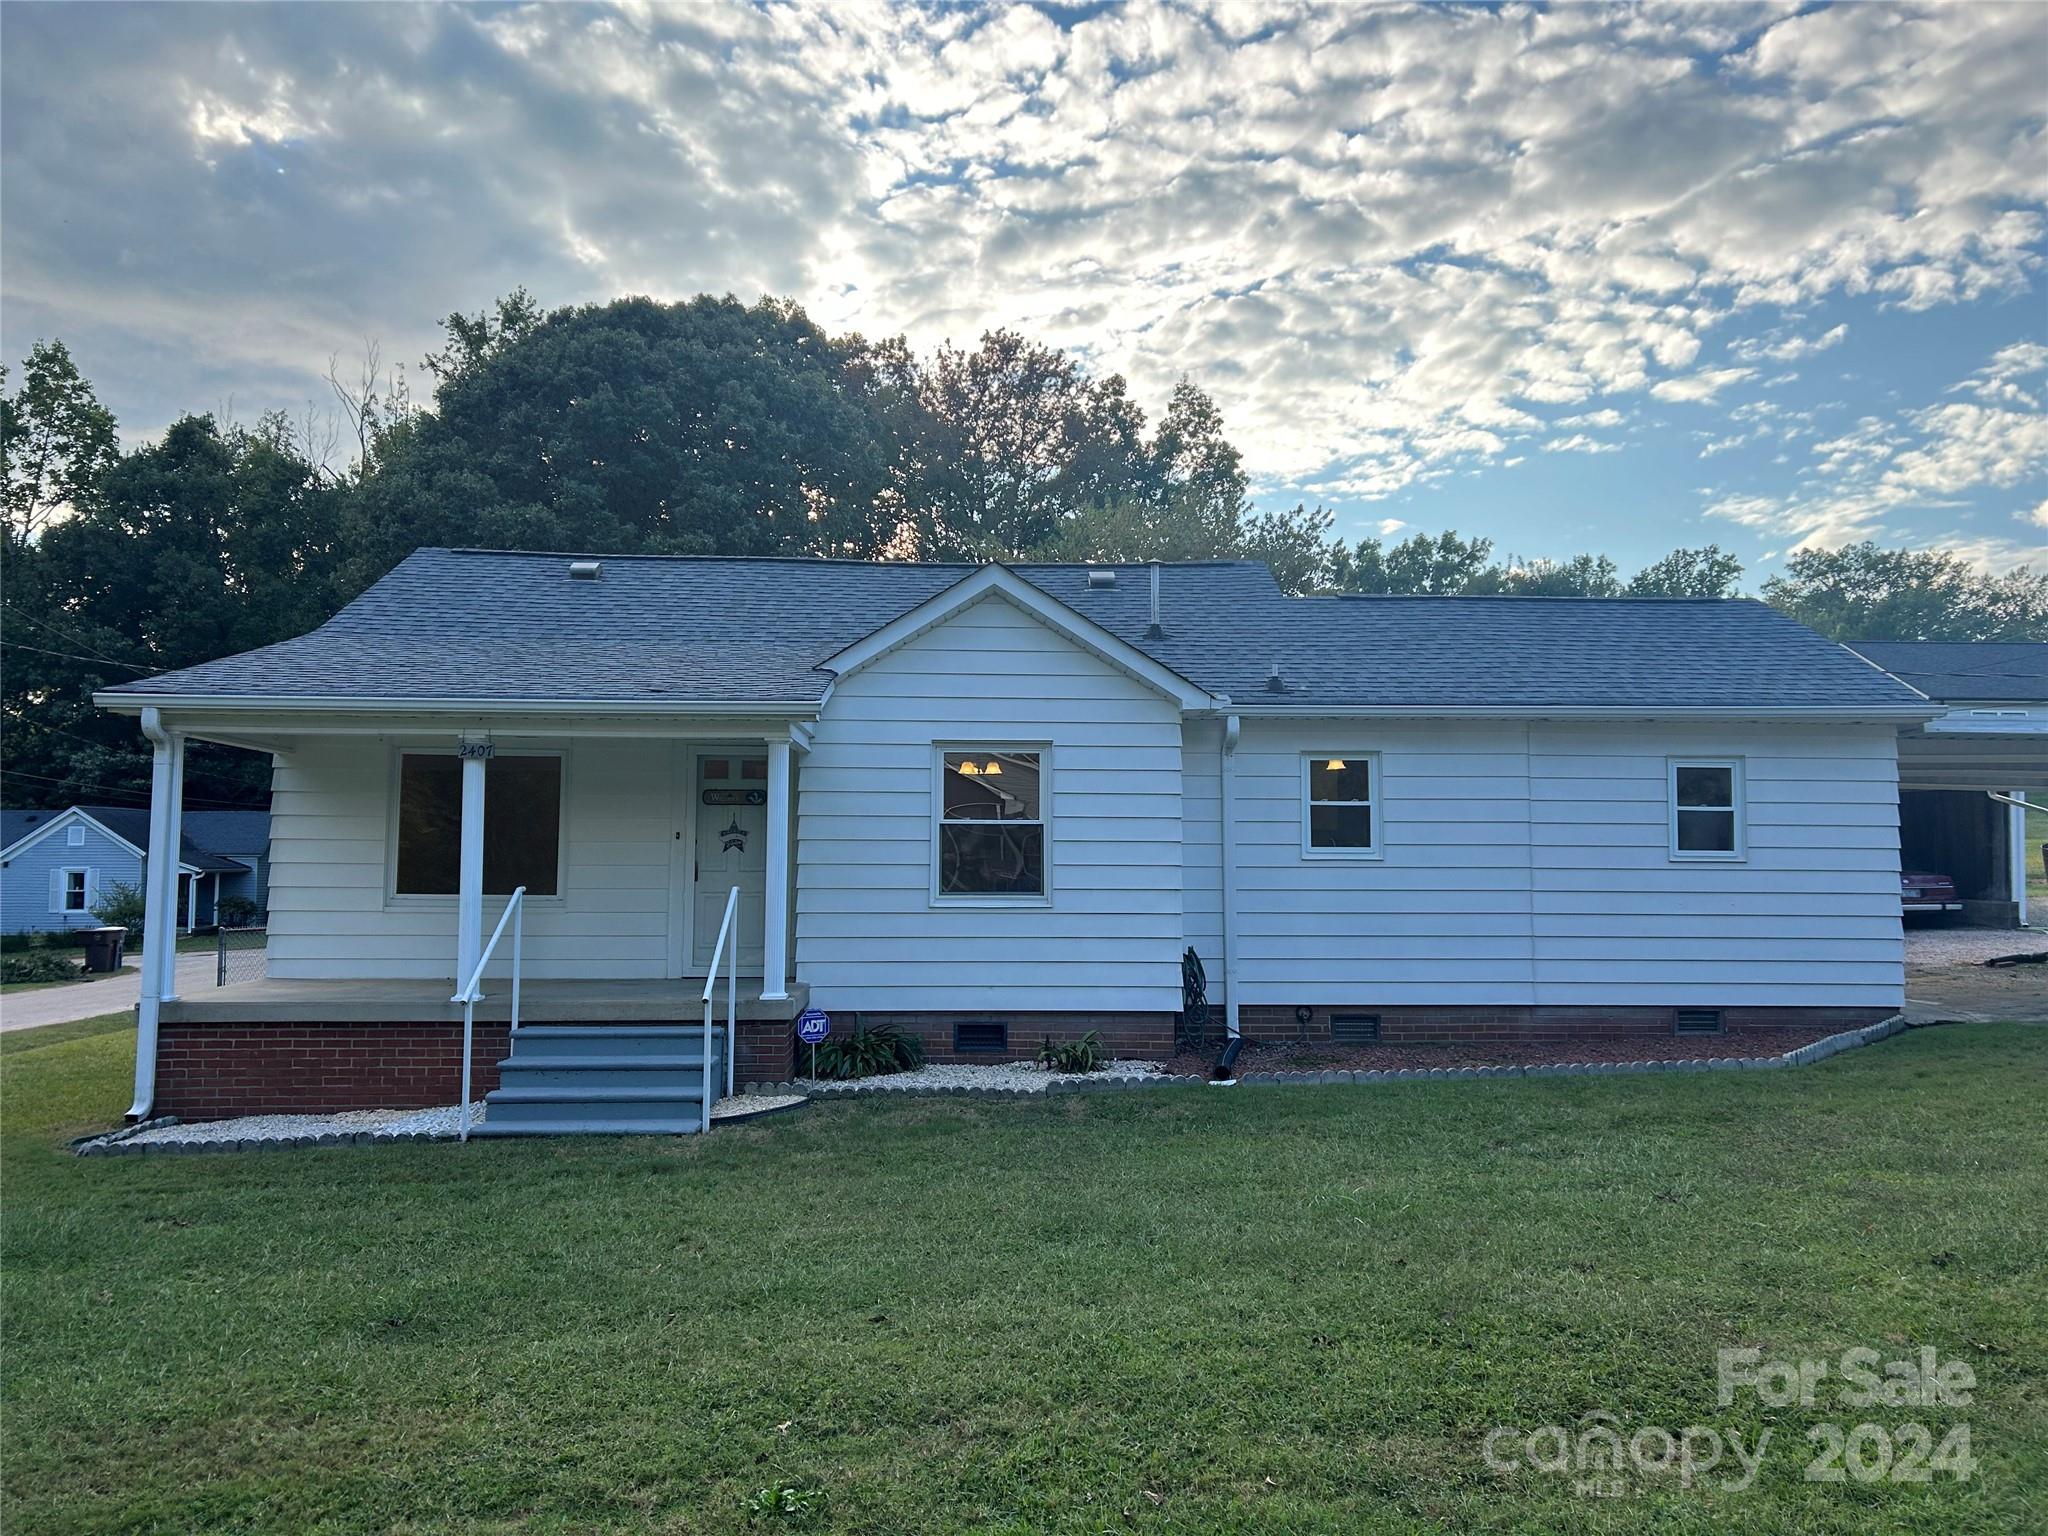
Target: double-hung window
[(522, 824), (1340, 813), (990, 837), (1705, 797), (74, 890)]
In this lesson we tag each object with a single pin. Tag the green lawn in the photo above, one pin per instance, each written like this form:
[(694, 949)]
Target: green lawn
[(1197, 1310)]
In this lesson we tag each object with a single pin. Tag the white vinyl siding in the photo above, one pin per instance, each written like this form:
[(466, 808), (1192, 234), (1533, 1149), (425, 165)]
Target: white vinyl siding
[(1531, 865), (869, 935), (330, 828)]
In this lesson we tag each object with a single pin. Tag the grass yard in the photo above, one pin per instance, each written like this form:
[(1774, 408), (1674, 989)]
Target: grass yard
[(1257, 1310)]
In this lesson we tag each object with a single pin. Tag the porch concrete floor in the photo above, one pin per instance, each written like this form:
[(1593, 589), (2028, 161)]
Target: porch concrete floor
[(276, 1000)]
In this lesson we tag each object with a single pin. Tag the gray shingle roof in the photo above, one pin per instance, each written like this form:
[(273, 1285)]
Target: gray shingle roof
[(487, 625), (1981, 671), (212, 839)]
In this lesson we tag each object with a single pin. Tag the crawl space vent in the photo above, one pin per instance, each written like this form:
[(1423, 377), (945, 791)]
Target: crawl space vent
[(1354, 1028), (973, 1035), (1697, 1021)]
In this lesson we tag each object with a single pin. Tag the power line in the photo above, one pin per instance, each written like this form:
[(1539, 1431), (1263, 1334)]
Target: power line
[(128, 791), (98, 661)]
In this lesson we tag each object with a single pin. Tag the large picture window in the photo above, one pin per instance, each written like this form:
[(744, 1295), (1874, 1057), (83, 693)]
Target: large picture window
[(522, 824), (991, 824), (1340, 816), (1706, 810)]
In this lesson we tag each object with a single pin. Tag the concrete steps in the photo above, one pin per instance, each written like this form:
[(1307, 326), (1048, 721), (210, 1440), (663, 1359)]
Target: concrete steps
[(605, 1080)]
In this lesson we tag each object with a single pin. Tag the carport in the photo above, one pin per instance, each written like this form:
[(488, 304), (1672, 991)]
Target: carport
[(1960, 774)]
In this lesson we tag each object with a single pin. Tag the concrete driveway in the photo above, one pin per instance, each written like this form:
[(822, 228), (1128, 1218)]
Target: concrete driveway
[(60, 1005)]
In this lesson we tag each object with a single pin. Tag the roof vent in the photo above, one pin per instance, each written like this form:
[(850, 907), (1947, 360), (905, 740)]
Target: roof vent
[(1275, 683), (585, 570), (1099, 578)]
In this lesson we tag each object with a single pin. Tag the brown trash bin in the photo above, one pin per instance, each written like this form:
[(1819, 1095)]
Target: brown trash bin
[(103, 948)]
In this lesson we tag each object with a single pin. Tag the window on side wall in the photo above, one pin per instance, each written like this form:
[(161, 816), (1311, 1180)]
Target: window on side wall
[(1340, 805), (74, 890), (990, 836), (1706, 808), (522, 824)]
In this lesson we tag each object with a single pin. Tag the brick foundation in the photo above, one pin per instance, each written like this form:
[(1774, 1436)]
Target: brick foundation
[(1415, 1026), (212, 1071)]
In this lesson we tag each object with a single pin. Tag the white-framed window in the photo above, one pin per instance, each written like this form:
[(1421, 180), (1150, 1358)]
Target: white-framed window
[(1340, 809), (992, 824), (523, 793), (1705, 795), (70, 890), (74, 837)]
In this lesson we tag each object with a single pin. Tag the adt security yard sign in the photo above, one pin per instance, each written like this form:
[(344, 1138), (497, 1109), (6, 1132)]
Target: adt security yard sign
[(813, 1025)]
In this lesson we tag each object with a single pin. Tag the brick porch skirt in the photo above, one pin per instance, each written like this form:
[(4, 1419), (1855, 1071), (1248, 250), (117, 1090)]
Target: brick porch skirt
[(212, 1071)]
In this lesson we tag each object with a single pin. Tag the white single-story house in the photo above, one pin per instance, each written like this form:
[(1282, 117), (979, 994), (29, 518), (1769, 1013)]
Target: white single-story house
[(56, 865), (1966, 775), (994, 804)]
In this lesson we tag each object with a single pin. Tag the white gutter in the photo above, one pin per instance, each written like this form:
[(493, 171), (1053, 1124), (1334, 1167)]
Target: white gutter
[(116, 699), (1905, 713), (1227, 845)]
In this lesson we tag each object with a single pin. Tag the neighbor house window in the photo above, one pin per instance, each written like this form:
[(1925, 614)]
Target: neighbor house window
[(991, 824), (1340, 817), (522, 824), (1706, 809), (74, 890)]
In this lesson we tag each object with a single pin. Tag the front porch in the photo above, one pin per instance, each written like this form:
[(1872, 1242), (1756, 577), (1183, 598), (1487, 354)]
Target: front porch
[(285, 1001)]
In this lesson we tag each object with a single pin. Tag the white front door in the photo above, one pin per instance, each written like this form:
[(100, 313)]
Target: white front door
[(732, 850)]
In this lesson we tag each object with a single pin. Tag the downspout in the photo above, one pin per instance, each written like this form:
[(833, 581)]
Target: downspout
[(1227, 847), (158, 923)]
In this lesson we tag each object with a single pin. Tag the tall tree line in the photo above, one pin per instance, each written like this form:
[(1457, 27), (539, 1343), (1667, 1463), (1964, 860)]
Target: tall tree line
[(702, 427)]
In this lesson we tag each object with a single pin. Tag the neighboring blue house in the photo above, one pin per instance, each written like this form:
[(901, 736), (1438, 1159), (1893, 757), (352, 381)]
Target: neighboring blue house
[(55, 865)]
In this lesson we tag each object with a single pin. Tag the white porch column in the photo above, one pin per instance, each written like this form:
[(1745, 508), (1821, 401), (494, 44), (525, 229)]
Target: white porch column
[(159, 920), (469, 898), (2017, 820), (191, 903), (775, 881)]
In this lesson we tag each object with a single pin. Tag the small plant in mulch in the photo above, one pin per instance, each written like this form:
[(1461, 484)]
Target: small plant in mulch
[(1082, 1055), (869, 1051), (784, 1502)]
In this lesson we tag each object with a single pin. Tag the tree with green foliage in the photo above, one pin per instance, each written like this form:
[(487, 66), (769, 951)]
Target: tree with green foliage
[(1688, 573), (706, 427), (1862, 592), (56, 442), (204, 544)]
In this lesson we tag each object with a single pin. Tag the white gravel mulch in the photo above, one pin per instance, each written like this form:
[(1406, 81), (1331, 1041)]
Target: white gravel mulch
[(437, 1122), (1007, 1077), (1928, 948)]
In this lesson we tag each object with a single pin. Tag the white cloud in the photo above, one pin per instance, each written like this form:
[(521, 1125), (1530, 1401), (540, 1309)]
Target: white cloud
[(1932, 457), (1704, 385), (1578, 442), (1788, 348), (1389, 526), (1390, 241)]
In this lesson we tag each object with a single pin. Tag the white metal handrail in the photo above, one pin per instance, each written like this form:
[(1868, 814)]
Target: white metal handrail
[(728, 938), (473, 993)]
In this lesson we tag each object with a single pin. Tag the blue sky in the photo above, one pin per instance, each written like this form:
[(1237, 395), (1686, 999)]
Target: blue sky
[(1614, 278)]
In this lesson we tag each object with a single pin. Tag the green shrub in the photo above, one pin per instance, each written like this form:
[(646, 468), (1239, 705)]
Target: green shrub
[(235, 911), (870, 1051), (1082, 1055), (40, 962), (120, 906)]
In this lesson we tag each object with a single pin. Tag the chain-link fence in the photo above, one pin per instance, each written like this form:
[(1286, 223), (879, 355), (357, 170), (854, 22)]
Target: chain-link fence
[(240, 952)]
